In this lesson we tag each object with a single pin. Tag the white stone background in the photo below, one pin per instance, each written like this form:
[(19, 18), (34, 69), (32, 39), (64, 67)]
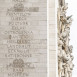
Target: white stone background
[(72, 9)]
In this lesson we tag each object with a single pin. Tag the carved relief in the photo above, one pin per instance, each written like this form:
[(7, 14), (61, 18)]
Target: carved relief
[(19, 67), (65, 57)]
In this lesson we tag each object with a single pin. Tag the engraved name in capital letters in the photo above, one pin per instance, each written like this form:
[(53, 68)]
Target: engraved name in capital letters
[(12, 23)]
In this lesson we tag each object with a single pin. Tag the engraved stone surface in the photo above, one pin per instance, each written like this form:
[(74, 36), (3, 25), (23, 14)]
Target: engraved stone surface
[(23, 38)]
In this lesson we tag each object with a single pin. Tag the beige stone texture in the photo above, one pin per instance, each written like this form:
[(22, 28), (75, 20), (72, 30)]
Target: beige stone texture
[(23, 38), (52, 39)]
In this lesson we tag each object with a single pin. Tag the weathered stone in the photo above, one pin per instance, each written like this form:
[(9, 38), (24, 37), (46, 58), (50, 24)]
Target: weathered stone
[(23, 41), (65, 64)]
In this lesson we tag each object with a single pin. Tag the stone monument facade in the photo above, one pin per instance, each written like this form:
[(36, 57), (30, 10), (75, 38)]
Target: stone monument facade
[(23, 38), (65, 57)]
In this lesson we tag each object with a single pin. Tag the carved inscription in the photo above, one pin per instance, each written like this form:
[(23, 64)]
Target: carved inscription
[(23, 40)]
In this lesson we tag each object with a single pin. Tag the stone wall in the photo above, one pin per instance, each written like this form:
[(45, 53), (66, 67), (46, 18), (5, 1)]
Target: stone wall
[(23, 38)]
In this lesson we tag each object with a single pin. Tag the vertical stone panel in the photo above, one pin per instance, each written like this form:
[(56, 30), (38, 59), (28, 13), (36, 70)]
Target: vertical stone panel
[(52, 39), (23, 38)]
